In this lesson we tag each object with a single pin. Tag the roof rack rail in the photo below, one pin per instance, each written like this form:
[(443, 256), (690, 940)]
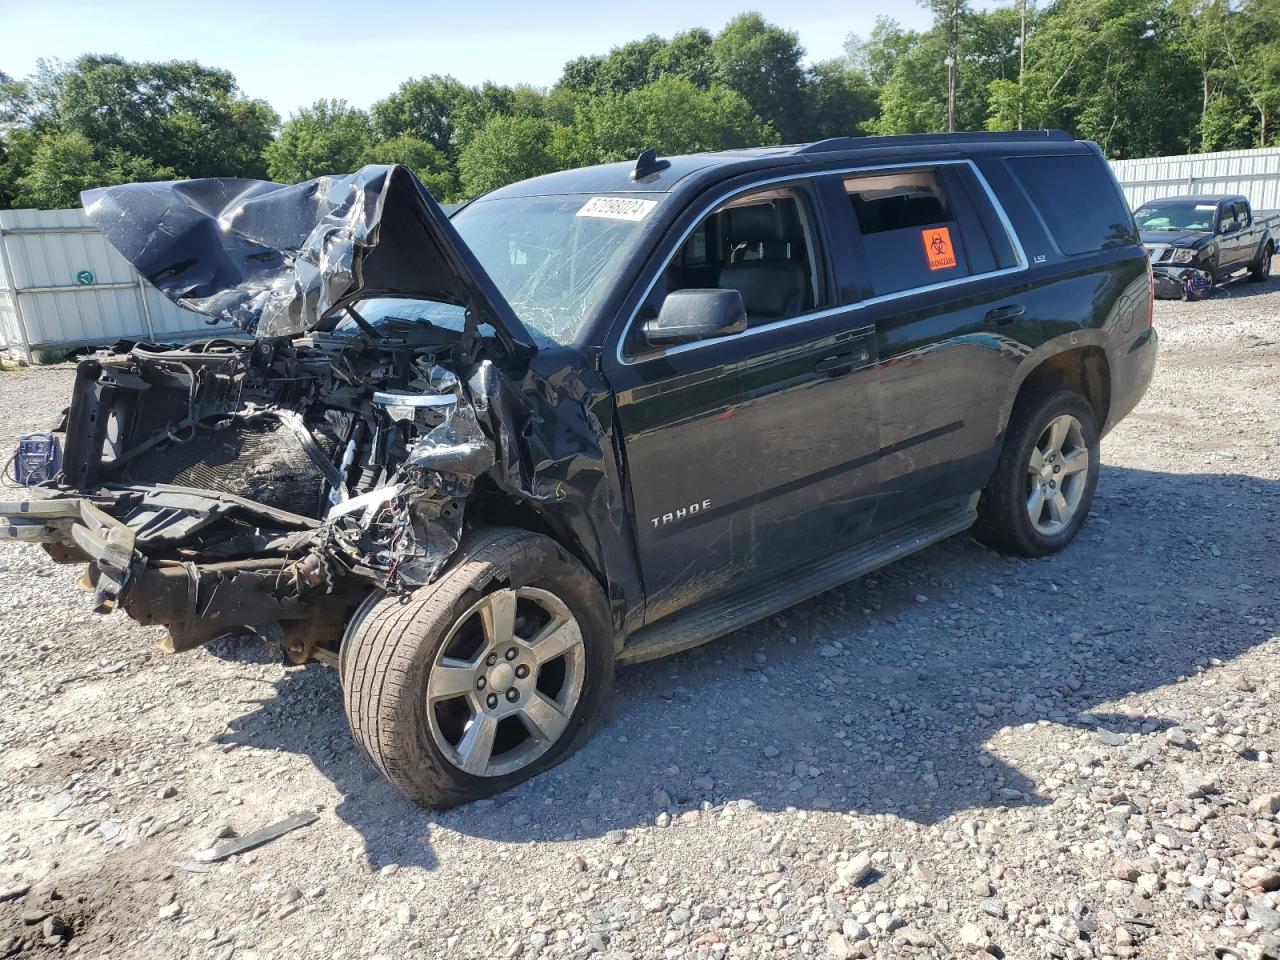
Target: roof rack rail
[(835, 144)]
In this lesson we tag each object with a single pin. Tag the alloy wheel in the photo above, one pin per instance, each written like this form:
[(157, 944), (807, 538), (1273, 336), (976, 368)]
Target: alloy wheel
[(505, 682), (1057, 475)]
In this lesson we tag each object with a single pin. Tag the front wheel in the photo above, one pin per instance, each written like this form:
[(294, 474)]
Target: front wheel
[(1043, 483), (484, 678), (1262, 269)]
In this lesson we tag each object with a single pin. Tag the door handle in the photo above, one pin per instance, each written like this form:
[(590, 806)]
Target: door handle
[(841, 363), (1006, 314)]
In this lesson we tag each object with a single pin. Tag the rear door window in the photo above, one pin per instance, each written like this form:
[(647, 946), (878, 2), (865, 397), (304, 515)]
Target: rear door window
[(911, 235), (1078, 201)]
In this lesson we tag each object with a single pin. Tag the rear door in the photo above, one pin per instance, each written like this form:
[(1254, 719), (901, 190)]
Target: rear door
[(750, 453), (942, 281)]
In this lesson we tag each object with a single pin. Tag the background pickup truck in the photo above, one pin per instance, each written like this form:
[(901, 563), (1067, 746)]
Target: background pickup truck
[(1205, 240)]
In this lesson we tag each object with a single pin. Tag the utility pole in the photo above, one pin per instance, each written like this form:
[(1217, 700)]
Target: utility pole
[(1022, 58), (947, 14)]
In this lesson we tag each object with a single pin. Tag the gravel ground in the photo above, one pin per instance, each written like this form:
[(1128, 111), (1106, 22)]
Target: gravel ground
[(1071, 757)]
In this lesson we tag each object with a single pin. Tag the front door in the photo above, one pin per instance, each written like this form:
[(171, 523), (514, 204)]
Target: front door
[(750, 453), (1234, 247)]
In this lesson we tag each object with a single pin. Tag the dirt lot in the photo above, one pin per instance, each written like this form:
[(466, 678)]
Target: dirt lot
[(1068, 758)]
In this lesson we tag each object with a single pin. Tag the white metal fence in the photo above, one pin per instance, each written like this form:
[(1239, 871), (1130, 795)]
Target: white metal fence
[(63, 285), (1253, 173)]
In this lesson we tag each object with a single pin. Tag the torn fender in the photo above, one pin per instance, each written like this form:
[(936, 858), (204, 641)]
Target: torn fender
[(554, 442), (277, 260)]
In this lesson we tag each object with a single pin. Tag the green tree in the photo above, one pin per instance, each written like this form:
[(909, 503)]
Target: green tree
[(622, 69), (838, 101), (15, 100), (631, 65), (180, 115), (579, 74), (1107, 71), (506, 149), (761, 62), (876, 56), (559, 104), (426, 108), (330, 136), (496, 100), (1199, 29), (989, 61), (670, 115), (429, 164), (63, 164), (914, 98), (17, 147), (688, 56), (1252, 40)]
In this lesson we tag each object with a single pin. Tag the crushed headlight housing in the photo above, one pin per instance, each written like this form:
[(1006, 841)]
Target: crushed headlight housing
[(1183, 256)]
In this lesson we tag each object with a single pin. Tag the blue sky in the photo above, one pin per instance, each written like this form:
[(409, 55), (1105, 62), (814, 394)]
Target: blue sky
[(291, 54)]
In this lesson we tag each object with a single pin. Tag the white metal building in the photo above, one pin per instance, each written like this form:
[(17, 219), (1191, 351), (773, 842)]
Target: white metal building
[(1253, 173), (62, 285)]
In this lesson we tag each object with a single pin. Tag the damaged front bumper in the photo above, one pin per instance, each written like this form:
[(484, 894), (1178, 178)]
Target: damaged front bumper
[(1171, 282), (76, 530), (196, 601)]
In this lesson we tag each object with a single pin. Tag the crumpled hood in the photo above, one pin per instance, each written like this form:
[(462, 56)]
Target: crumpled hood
[(276, 259), (1175, 238)]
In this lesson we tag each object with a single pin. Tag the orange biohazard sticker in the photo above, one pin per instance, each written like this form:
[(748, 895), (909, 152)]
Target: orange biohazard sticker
[(937, 248)]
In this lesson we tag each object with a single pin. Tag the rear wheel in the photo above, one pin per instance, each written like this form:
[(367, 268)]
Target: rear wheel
[(486, 677), (1262, 269), (1044, 481)]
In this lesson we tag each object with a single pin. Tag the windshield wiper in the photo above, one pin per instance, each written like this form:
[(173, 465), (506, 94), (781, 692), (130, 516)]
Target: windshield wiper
[(364, 324)]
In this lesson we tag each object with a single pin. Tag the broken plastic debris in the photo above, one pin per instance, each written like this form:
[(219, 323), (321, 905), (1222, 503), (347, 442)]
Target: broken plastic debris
[(371, 499), (228, 848)]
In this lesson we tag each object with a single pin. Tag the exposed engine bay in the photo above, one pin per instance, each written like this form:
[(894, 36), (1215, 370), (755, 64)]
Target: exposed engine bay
[(275, 478), (320, 459)]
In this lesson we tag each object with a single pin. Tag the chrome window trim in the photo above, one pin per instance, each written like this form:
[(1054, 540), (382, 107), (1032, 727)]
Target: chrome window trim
[(1019, 254)]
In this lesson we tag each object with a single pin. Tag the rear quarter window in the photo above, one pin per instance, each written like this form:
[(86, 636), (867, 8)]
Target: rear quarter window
[(1078, 200), (910, 234)]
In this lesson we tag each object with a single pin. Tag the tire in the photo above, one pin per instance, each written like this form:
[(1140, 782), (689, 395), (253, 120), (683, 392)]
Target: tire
[(425, 693), (1261, 270), (1005, 507)]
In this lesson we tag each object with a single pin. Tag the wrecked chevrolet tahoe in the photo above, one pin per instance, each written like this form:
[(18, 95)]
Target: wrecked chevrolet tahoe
[(594, 418)]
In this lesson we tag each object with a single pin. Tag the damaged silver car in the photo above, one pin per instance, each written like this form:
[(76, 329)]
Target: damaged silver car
[(595, 418)]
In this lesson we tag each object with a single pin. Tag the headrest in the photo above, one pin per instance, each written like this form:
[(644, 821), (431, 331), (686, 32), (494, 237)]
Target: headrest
[(770, 222)]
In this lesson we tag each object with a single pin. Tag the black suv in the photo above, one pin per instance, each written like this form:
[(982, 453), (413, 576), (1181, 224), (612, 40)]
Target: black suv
[(594, 418)]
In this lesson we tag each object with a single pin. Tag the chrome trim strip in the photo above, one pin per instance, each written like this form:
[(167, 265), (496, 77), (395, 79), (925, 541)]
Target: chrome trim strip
[(1019, 254)]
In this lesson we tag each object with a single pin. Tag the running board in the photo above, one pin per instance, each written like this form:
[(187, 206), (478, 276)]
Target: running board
[(754, 601)]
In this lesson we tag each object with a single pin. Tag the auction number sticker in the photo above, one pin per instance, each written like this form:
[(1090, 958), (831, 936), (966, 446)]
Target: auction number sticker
[(938, 250), (617, 208)]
